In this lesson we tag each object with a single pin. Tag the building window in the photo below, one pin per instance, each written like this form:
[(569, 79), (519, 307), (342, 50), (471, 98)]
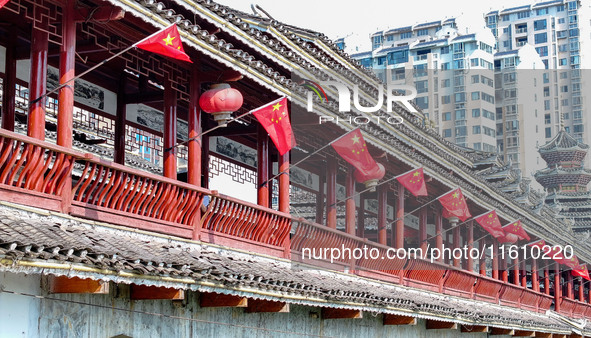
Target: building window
[(546, 104), (476, 112), (475, 96), (564, 102), (477, 146), (548, 132), (489, 131), (475, 130), (542, 51), (461, 131), (541, 38), (523, 15), (422, 32), (488, 114), (422, 102), (446, 132), (444, 50), (561, 21), (377, 41), (475, 79), (509, 77), (422, 86), (445, 99), (578, 128), (445, 83), (445, 66), (460, 114), (405, 35), (564, 89), (540, 25), (542, 11), (390, 37), (460, 97), (562, 62), (474, 62), (446, 116), (488, 98), (420, 70), (505, 17)]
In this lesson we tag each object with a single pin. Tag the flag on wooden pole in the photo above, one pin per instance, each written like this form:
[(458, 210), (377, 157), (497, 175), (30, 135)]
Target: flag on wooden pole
[(166, 42), (275, 119), (490, 222), (414, 181), (454, 204)]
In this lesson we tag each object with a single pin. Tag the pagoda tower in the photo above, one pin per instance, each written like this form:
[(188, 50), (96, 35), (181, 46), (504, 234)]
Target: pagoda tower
[(565, 180)]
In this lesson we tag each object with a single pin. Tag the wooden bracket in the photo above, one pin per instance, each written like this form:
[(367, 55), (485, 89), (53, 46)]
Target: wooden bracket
[(261, 305), (207, 299), (439, 325), (63, 284), (521, 333), (333, 313), (495, 331), (142, 292), (474, 328), (399, 320)]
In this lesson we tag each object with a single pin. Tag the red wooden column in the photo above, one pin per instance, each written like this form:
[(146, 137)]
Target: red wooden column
[(570, 292), (9, 84), (262, 167), (482, 263), (284, 185), (170, 101), (504, 270), (470, 241), (581, 290), (67, 73), (194, 145), (546, 280), (516, 271), (361, 217), (194, 122), (350, 202), (331, 194), (120, 121), (439, 233), (423, 229), (524, 273), (456, 242), (557, 291), (37, 82), (400, 217), (382, 215), (495, 260), (535, 277), (320, 200)]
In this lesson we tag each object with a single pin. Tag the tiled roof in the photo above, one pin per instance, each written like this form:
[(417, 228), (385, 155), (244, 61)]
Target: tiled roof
[(32, 237), (562, 140)]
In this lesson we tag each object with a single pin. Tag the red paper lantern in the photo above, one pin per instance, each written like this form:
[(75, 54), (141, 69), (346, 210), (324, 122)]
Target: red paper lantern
[(221, 101), (372, 177)]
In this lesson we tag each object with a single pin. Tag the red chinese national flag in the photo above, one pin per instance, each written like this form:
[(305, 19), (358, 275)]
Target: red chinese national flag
[(414, 181), (555, 253), (540, 244), (353, 149), (275, 119), (166, 42), (490, 222), (3, 2), (572, 262), (581, 271), (516, 228), (454, 204)]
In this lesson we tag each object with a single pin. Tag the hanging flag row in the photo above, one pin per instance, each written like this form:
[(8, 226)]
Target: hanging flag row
[(555, 253)]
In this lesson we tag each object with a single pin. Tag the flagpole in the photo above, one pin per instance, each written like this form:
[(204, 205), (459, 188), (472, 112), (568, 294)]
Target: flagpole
[(94, 67), (306, 157)]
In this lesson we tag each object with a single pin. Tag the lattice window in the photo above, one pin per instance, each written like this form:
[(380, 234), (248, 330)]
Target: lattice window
[(238, 173), (143, 143)]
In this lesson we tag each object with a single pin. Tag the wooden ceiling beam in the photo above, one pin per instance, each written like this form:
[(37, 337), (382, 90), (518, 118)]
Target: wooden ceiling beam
[(495, 331), (522, 333)]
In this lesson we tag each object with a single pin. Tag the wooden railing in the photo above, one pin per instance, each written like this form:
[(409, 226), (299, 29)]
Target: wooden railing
[(37, 173)]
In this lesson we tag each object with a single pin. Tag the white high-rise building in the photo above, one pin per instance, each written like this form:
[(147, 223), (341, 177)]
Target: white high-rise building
[(560, 31)]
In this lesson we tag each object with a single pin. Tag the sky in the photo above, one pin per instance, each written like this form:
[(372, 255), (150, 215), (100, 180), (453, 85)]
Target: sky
[(361, 18)]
